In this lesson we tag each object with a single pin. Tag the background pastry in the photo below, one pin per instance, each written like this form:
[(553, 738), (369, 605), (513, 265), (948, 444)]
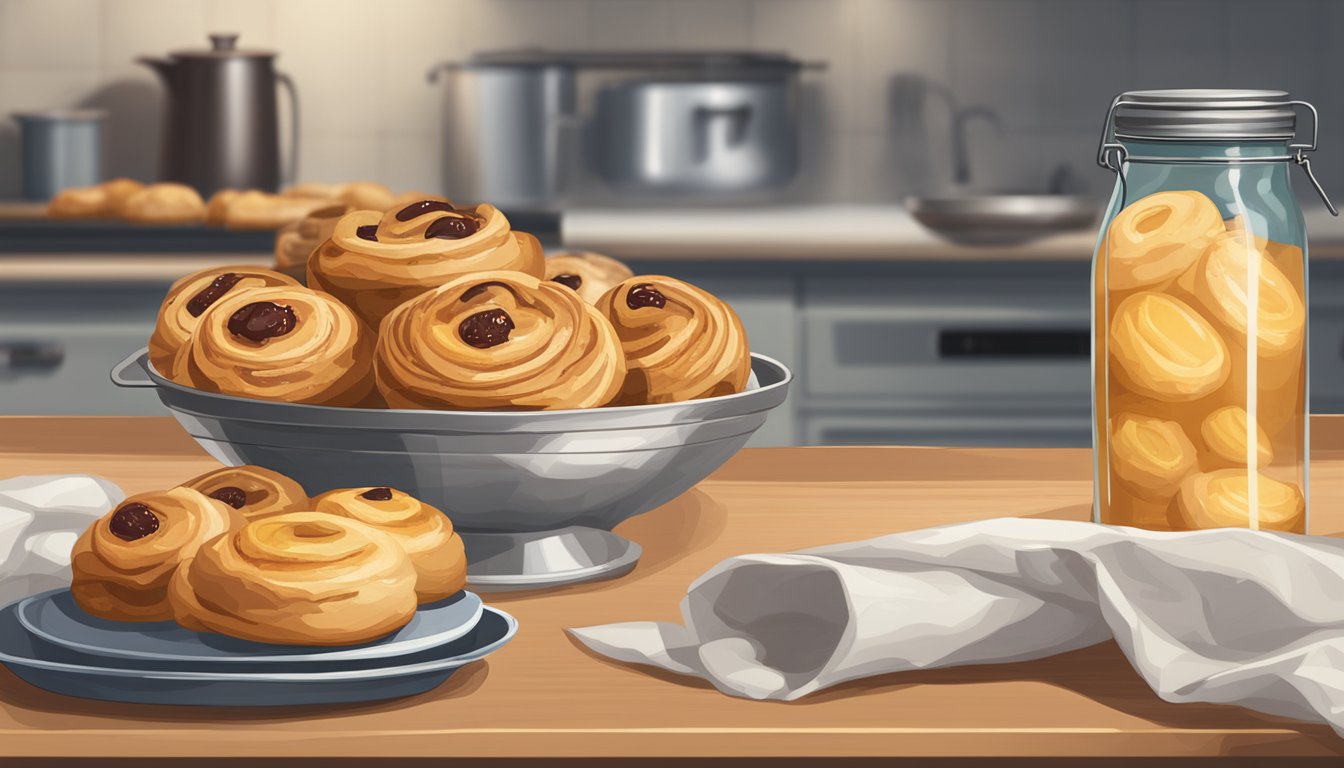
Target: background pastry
[(280, 343), (591, 274), (357, 195), (256, 492), (122, 563), (376, 261), (191, 296), (103, 200), (262, 210), (498, 340), (217, 209), (302, 578), (422, 530), (680, 342), (165, 203), (297, 240)]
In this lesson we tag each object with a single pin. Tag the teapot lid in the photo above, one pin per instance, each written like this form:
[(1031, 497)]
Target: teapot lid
[(223, 45)]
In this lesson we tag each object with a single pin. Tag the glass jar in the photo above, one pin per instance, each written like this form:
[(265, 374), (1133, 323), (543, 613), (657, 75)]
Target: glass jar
[(1199, 353)]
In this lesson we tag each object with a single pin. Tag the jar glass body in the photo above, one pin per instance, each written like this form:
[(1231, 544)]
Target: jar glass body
[(1200, 341)]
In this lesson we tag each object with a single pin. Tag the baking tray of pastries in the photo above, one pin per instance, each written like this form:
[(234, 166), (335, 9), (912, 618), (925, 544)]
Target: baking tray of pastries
[(237, 588)]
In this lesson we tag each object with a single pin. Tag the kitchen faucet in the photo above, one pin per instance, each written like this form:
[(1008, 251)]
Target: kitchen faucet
[(961, 166)]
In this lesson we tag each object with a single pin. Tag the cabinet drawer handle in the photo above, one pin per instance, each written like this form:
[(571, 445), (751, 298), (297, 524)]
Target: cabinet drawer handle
[(1021, 344), (31, 355)]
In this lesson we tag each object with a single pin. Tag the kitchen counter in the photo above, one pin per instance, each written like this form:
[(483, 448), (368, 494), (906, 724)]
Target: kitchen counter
[(544, 697)]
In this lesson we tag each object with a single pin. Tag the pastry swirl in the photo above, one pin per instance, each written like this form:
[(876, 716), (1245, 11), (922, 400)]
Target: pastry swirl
[(680, 342), (422, 530), (189, 297), (302, 578), (282, 343), (591, 274), (376, 261), (122, 563), (498, 340), (297, 240), (256, 492)]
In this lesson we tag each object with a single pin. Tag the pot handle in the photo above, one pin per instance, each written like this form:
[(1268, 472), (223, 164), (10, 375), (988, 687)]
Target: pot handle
[(737, 117), (291, 174), (133, 372)]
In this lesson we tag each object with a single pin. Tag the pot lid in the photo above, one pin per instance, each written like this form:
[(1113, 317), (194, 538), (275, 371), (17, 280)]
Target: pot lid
[(62, 115), (223, 45), (681, 61), (1205, 113)]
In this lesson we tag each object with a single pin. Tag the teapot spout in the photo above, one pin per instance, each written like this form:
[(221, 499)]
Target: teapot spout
[(163, 67)]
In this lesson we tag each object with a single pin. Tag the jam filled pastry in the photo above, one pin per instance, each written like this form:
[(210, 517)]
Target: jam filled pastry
[(376, 261), (680, 342), (302, 578), (498, 340), (164, 203), (285, 343), (122, 563), (295, 241), (255, 492), (99, 201), (189, 297), (422, 530), (591, 274)]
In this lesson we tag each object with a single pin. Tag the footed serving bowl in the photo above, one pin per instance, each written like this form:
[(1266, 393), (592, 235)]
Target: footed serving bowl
[(534, 494)]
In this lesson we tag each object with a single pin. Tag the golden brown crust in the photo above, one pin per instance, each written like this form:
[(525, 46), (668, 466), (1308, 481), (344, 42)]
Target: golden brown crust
[(179, 315), (263, 210), (302, 578), (593, 273), (165, 203), (217, 209), (324, 359), (692, 346), (372, 277), (104, 200), (256, 492), (127, 580), (422, 530), (558, 352)]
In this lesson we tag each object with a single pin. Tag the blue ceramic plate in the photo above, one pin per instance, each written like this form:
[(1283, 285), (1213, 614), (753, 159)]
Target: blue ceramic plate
[(71, 673), (56, 619)]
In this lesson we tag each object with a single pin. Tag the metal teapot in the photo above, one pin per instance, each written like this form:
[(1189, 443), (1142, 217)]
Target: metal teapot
[(221, 123)]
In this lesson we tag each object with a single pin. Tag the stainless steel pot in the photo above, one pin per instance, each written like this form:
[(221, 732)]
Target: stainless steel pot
[(62, 148), (222, 128), (697, 136)]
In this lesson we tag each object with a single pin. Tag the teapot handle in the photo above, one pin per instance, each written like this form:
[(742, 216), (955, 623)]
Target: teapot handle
[(291, 164)]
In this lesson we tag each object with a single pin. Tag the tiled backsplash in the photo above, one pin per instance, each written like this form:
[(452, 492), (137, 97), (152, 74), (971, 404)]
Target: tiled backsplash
[(1045, 68)]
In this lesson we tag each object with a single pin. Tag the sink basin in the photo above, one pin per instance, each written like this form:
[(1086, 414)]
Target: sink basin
[(1002, 219)]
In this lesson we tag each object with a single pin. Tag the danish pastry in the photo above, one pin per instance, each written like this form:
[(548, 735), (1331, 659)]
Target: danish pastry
[(122, 563), (189, 297), (165, 203), (498, 340), (302, 578), (376, 261), (282, 343), (423, 531), (255, 492), (680, 342), (1155, 239), (103, 200), (295, 241), (591, 274), (1163, 349), (263, 210), (1222, 499)]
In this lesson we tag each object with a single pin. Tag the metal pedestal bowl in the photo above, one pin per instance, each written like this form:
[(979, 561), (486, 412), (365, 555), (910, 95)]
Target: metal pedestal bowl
[(534, 494)]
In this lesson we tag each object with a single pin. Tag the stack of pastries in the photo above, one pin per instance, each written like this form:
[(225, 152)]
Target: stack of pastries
[(430, 305), (244, 552)]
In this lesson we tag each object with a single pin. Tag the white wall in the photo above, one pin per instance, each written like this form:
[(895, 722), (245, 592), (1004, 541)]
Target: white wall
[(1046, 67)]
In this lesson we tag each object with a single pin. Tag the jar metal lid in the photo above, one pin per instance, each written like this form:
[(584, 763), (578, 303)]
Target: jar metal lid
[(1205, 114)]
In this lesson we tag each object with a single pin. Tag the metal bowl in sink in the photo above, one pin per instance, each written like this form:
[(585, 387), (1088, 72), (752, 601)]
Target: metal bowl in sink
[(1002, 219), (535, 494)]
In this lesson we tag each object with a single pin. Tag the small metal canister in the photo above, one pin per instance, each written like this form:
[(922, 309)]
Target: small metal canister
[(61, 149)]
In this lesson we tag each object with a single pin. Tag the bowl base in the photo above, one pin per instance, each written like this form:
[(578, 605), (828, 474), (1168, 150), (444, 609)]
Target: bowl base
[(498, 562)]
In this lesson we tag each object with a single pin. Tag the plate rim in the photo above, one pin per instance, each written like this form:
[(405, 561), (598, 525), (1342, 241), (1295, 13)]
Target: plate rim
[(20, 616), (323, 676)]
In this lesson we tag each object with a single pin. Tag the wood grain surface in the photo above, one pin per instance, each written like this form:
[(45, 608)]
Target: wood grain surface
[(544, 697)]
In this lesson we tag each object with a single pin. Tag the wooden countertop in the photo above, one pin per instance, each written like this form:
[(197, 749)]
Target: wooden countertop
[(544, 697)]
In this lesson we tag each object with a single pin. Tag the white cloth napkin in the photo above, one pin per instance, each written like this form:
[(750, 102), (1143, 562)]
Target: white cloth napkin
[(40, 518), (1228, 616)]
